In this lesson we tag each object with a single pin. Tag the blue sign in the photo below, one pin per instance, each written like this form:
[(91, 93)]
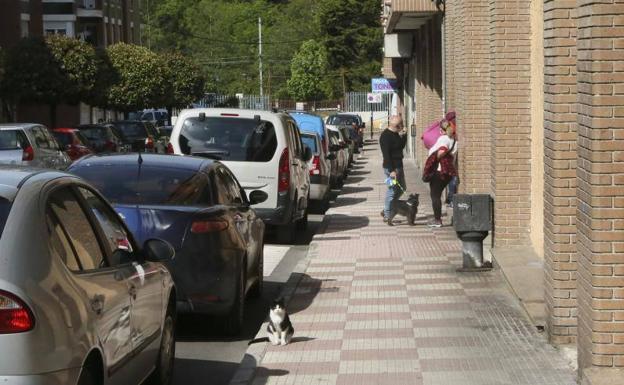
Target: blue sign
[(384, 86)]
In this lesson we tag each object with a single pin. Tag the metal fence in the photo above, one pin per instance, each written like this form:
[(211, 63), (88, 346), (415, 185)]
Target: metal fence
[(246, 102), (358, 102)]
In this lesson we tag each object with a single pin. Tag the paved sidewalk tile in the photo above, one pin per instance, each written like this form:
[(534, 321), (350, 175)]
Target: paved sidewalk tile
[(385, 305)]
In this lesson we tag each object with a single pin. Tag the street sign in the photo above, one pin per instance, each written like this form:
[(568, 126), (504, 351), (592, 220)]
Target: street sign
[(374, 97), (383, 85)]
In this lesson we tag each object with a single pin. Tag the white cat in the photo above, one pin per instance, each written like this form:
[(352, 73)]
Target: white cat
[(280, 330)]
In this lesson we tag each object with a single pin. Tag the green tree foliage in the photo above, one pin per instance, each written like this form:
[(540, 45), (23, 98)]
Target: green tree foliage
[(142, 78), (185, 82), (56, 70), (353, 37), (309, 72)]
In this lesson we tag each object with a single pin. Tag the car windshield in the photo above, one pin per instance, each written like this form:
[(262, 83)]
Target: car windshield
[(12, 140), (310, 141), (131, 129), (94, 133), (153, 186), (345, 120), (160, 115), (234, 139), (64, 138)]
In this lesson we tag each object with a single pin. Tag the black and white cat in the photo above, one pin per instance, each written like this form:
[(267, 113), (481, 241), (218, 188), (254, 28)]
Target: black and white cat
[(280, 330)]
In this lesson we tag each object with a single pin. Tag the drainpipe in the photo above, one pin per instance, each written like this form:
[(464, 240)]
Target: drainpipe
[(443, 47)]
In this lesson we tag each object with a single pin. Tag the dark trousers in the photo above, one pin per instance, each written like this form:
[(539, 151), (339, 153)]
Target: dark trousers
[(436, 187)]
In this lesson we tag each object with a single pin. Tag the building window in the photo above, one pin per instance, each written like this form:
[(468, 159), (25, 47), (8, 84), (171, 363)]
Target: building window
[(56, 32), (58, 8), (24, 28)]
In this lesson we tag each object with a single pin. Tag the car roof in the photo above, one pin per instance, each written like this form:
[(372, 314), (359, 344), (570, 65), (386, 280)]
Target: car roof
[(102, 125), (149, 160), (17, 126), (229, 112), (13, 177)]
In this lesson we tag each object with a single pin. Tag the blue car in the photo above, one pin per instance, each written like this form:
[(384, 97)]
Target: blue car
[(198, 206), (312, 123)]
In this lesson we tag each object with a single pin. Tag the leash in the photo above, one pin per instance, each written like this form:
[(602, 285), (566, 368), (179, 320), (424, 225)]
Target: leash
[(392, 182)]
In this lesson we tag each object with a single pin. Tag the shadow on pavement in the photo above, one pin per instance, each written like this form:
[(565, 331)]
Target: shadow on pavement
[(191, 371), (346, 201), (354, 179), (354, 190), (340, 222), (307, 289)]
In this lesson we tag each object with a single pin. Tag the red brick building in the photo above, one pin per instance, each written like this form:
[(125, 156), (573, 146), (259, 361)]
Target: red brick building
[(99, 22), (538, 87)]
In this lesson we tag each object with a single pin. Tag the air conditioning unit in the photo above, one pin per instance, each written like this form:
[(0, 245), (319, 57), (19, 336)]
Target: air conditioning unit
[(89, 4)]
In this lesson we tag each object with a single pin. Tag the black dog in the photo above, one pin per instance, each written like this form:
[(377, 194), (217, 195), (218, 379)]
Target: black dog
[(407, 208)]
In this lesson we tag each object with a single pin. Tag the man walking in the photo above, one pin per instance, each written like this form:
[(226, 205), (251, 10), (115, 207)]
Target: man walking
[(392, 142)]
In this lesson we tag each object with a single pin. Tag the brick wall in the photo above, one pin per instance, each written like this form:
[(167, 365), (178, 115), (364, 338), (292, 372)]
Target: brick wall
[(600, 210), (560, 169), (510, 120)]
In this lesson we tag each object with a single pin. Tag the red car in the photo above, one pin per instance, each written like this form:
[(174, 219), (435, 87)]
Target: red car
[(73, 142)]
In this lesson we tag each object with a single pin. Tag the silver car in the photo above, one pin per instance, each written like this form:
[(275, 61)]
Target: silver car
[(29, 144), (80, 302)]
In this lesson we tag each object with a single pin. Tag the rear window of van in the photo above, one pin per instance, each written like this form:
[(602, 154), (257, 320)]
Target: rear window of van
[(230, 139)]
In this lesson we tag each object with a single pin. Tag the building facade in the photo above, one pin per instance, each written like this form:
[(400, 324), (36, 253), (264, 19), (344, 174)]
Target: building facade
[(538, 87), (98, 22)]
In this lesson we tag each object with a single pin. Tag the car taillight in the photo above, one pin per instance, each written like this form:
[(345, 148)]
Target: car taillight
[(28, 154), (149, 143), (169, 148), (283, 173), (316, 165), (202, 227), (15, 316)]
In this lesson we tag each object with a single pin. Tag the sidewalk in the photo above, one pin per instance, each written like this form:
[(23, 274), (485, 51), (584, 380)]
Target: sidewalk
[(384, 305)]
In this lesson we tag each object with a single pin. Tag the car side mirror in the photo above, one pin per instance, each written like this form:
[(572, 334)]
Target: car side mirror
[(307, 154), (157, 250), (257, 196), (331, 157)]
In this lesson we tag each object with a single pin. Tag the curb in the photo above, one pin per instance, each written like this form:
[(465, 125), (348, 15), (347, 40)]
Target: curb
[(255, 352)]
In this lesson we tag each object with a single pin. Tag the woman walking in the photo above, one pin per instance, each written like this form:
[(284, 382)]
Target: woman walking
[(444, 148)]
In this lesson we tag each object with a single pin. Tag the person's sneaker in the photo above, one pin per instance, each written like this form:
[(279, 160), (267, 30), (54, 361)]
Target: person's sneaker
[(436, 223)]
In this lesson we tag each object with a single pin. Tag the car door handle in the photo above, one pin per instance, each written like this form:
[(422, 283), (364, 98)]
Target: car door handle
[(97, 304), (132, 290)]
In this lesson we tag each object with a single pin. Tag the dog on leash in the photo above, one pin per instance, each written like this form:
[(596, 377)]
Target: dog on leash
[(407, 208)]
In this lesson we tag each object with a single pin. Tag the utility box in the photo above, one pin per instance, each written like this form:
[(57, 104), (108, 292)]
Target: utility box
[(472, 219), (472, 212)]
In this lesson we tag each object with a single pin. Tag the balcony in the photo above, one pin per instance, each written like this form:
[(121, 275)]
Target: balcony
[(405, 15), (89, 8)]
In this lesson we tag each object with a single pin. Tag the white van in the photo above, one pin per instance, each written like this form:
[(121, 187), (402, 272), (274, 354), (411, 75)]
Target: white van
[(264, 151)]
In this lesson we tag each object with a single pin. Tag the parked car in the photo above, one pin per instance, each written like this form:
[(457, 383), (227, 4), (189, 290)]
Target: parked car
[(263, 149), (80, 301), (75, 144), (103, 138), (140, 136), (312, 123), (29, 144), (320, 168), (350, 143), (355, 127), (155, 116), (340, 147), (198, 206)]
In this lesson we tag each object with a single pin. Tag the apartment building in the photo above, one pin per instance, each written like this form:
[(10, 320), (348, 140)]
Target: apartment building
[(99, 22), (19, 18), (538, 87)]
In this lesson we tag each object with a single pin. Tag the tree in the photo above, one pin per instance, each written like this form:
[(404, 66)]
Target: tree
[(185, 82), (309, 72), (54, 70), (352, 34), (142, 78)]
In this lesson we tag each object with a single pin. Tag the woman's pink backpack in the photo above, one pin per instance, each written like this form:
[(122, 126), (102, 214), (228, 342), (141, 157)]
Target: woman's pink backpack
[(431, 135)]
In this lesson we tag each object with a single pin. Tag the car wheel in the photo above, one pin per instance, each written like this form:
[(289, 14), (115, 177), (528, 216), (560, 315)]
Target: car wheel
[(87, 377), (163, 372), (234, 320), (256, 290)]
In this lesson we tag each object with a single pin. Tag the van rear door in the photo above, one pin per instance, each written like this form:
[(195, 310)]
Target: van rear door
[(245, 144)]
